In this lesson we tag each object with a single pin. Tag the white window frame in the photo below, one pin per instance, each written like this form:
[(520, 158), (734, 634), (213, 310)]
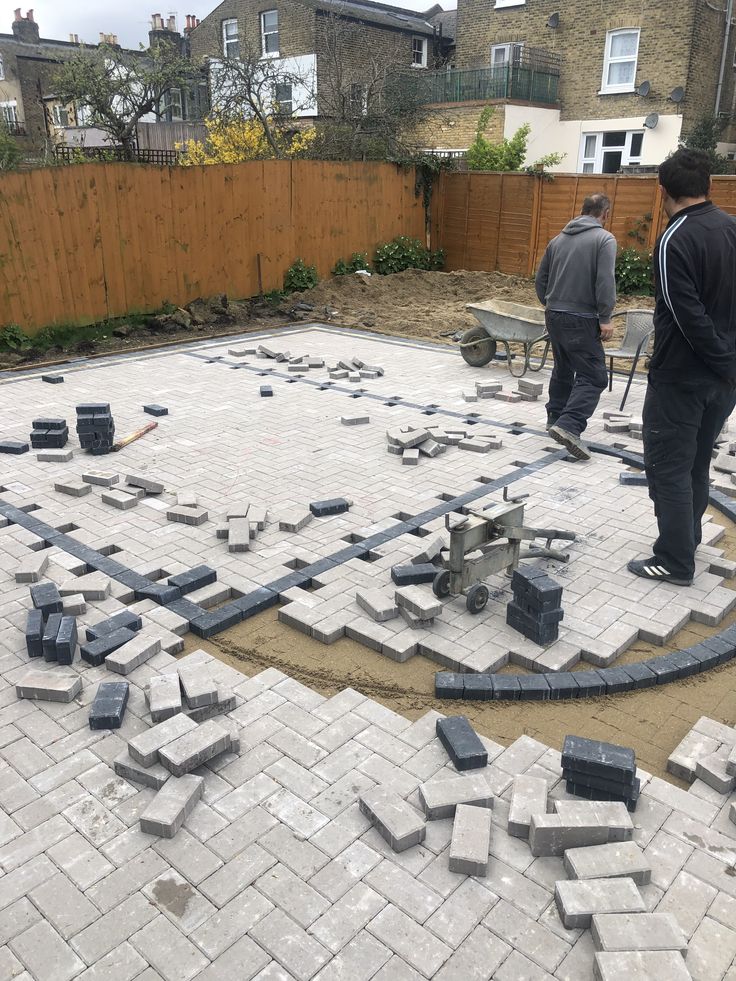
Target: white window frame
[(230, 40), (265, 34), (289, 101), (9, 112), (509, 3), (2, 68), (608, 60), (56, 111), (595, 161), (419, 47), (510, 49)]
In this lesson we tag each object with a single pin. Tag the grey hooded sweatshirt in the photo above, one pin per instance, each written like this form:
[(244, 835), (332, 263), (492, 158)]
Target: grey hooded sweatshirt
[(577, 273)]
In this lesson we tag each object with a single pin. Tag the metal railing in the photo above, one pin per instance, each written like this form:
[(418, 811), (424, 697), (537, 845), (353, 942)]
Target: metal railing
[(528, 80), (75, 154), (15, 128)]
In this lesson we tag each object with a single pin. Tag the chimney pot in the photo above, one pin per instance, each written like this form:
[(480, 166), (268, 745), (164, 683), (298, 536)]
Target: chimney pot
[(29, 16), (18, 14)]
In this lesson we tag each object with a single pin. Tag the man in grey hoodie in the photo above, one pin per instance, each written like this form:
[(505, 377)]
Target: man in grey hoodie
[(576, 283)]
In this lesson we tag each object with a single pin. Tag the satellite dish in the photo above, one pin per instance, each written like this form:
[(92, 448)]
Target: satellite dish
[(651, 121), (644, 89), (554, 21), (677, 95)]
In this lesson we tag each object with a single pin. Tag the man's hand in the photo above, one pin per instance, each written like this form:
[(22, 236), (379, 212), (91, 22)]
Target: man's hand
[(606, 331)]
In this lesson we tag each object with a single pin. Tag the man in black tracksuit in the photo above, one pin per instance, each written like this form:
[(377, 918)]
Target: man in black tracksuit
[(692, 372)]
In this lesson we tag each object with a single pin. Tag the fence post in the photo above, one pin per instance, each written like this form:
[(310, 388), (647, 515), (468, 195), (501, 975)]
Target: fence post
[(656, 217), (535, 223)]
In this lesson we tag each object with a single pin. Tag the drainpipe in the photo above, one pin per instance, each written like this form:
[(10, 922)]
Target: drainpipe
[(724, 56)]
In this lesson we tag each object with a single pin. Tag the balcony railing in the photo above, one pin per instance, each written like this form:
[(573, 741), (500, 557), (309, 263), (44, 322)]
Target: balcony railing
[(13, 127), (534, 77)]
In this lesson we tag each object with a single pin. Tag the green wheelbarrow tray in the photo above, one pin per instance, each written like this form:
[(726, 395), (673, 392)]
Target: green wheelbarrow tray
[(503, 322)]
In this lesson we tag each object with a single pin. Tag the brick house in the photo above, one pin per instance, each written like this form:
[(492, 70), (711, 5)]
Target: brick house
[(299, 34), (610, 86)]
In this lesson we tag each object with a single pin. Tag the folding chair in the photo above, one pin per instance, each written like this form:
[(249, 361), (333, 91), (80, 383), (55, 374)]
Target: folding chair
[(638, 333)]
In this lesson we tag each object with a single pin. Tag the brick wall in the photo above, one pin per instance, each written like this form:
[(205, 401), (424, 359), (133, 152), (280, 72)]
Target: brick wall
[(669, 32), (296, 28), (454, 127)]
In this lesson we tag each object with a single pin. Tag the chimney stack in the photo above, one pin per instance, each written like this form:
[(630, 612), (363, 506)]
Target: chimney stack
[(25, 29), (171, 24)]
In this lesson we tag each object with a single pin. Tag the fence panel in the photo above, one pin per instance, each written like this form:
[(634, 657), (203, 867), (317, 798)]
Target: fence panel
[(82, 243)]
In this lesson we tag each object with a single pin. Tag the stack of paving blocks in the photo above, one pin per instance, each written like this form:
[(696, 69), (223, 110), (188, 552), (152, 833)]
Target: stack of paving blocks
[(616, 422), (535, 610), (708, 754), (187, 510), (355, 370), (417, 606), (600, 771), (49, 633), (95, 427), (49, 434), (107, 636), (529, 391), (242, 526)]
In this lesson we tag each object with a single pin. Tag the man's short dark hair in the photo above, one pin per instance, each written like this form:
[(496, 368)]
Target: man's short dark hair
[(686, 174), (595, 205)]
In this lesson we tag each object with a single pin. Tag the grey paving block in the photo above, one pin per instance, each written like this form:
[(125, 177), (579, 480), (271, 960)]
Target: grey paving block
[(731, 763), (609, 813), (238, 535), (528, 797), (197, 685), (713, 770), (651, 965), (471, 839), (695, 745), (187, 752), (421, 602), (74, 488), (49, 686), (355, 420), (460, 740), (578, 900), (226, 702), (154, 776), (144, 483), (74, 606), (96, 651), (131, 655), (164, 697), (638, 931), (397, 821), (612, 860), (118, 499), (93, 586), (55, 456), (100, 479), (172, 804), (295, 520), (144, 747), (440, 797), (32, 567), (377, 604), (410, 458), (186, 515)]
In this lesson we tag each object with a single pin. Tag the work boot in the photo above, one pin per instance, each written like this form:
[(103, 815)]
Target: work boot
[(551, 420), (573, 444)]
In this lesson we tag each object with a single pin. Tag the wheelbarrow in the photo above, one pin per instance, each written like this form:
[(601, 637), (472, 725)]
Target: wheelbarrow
[(485, 542), (502, 322)]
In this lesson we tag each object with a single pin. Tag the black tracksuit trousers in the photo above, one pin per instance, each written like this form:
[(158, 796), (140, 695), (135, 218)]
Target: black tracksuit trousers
[(579, 372)]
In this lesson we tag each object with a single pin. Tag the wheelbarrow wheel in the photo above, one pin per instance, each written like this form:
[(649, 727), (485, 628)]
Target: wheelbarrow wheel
[(441, 584), (477, 347), (476, 598)]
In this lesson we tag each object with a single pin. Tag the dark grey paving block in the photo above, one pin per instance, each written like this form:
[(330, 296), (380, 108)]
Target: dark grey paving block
[(50, 634), (335, 505), (123, 619), (53, 379), (96, 651), (188, 582), (590, 683), (613, 786), (686, 664), (66, 640), (592, 793), (562, 684), (34, 633), (108, 708), (640, 674), (460, 740), (255, 602), (616, 680), (163, 595), (663, 668), (478, 687), (533, 687), (449, 684), (45, 597), (597, 758), (155, 410), (506, 686), (410, 575)]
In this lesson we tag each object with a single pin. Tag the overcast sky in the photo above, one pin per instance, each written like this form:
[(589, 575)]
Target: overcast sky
[(129, 19)]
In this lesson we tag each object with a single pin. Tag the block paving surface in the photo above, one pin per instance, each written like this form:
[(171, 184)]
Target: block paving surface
[(277, 873)]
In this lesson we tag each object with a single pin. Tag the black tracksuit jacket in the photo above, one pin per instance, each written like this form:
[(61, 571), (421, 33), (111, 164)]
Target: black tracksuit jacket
[(695, 289)]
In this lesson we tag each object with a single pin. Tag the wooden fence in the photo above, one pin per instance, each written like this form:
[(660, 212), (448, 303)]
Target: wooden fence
[(80, 244), (504, 221)]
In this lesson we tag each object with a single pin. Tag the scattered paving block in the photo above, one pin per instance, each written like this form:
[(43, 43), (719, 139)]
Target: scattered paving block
[(144, 747), (638, 931), (49, 686), (551, 834), (170, 807), (410, 458), (187, 515), (414, 621), (460, 740), (486, 390), (725, 463), (258, 516), (66, 640), (471, 840), (421, 603), (267, 391), (335, 505), (397, 821), (712, 770), (429, 553), (295, 519), (528, 797), (355, 420), (108, 707), (474, 445), (599, 758), (731, 763), (579, 900), (185, 499), (613, 860), (53, 379), (412, 575), (119, 500), (45, 597), (155, 410), (50, 633), (194, 748), (154, 776), (507, 396), (529, 387), (440, 797), (54, 456), (93, 586), (13, 447), (34, 633), (628, 479), (197, 685), (94, 652), (131, 655), (238, 535), (226, 702), (144, 483), (616, 426), (32, 567), (123, 619), (732, 813), (164, 697), (100, 479), (613, 816), (470, 396), (638, 965), (377, 604)]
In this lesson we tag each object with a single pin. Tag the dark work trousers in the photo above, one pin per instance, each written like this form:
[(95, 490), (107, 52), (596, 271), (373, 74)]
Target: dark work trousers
[(681, 424), (579, 372)]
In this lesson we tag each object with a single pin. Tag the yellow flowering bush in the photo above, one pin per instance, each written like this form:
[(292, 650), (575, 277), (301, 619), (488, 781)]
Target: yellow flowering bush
[(237, 141)]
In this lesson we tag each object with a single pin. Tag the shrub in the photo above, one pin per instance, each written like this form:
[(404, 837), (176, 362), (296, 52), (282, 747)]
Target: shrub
[(506, 155), (634, 273), (299, 276), (406, 253), (10, 152), (358, 260), (12, 338)]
